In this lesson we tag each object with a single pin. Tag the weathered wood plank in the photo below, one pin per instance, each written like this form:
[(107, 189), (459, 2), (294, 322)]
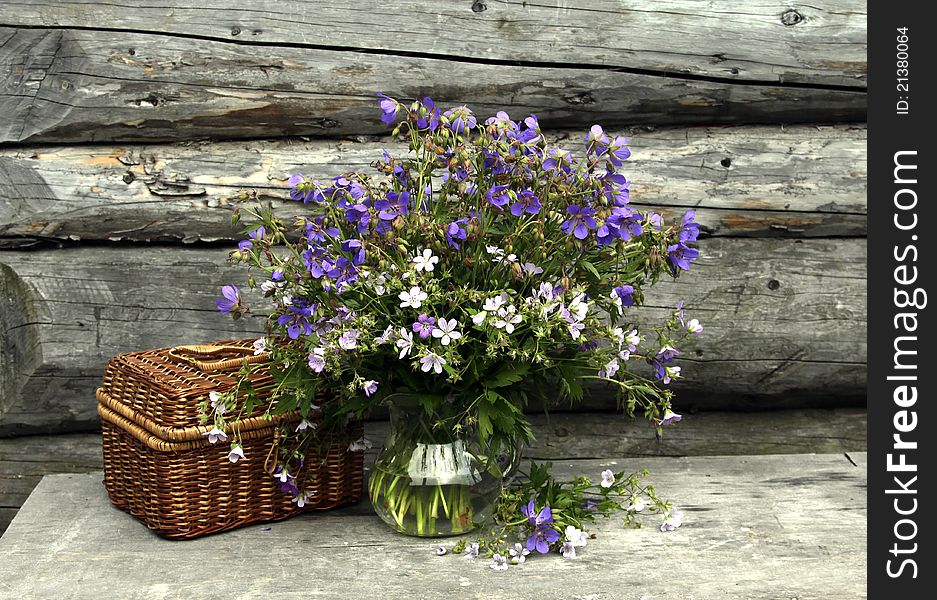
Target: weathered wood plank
[(823, 43), (738, 511), (76, 85), (799, 181), (560, 436), (785, 322)]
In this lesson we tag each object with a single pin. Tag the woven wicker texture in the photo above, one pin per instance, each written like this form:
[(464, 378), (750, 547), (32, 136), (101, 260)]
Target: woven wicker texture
[(160, 468)]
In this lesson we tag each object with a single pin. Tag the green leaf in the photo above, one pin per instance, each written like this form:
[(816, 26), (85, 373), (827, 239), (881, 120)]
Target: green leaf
[(591, 268), (508, 376)]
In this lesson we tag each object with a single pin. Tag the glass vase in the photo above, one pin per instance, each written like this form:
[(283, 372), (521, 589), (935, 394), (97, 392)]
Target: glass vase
[(432, 483)]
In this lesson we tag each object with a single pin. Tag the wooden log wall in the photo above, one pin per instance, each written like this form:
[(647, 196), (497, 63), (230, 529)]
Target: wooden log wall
[(128, 132)]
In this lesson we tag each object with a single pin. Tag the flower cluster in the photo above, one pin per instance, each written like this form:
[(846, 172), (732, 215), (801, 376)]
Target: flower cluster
[(555, 517), (486, 267)]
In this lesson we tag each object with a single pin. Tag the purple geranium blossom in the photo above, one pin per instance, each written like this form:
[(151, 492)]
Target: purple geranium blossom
[(596, 141), (360, 214), (526, 202), (456, 231), (618, 151), (558, 159), (231, 300), (389, 109), (394, 206), (497, 196), (460, 119), (580, 222), (344, 271), (317, 360), (348, 340), (290, 488), (543, 534), (370, 387), (427, 114), (357, 250), (315, 232), (424, 326), (670, 418), (667, 354), (690, 230), (680, 255), (296, 319)]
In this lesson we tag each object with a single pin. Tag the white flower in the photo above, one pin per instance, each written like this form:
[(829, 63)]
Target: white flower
[(217, 402), (531, 269), (518, 553), (510, 258), (446, 331), (498, 562), (637, 504), (693, 326), (579, 307), (672, 522), (386, 336), (618, 334), (300, 500), (471, 550), (568, 550), (610, 368), (575, 329), (507, 318), (236, 454), (260, 346), (576, 537), (286, 299), (425, 261), (268, 286), (378, 284), (432, 361), (304, 425), (608, 478), (359, 445), (479, 317), (404, 342), (495, 302), (633, 338), (215, 435), (414, 298)]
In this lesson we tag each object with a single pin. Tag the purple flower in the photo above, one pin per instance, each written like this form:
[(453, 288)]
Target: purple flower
[(627, 221), (497, 196), (359, 214), (526, 202), (296, 319), (596, 141), (427, 115), (290, 488), (568, 550), (690, 230), (317, 360), (357, 250), (498, 562), (441, 551), (618, 150), (456, 231), (460, 119), (670, 418), (580, 221), (557, 158), (389, 109), (471, 550), (625, 294), (680, 255), (230, 301), (370, 388), (543, 534), (316, 233), (667, 354), (424, 326), (344, 271), (245, 245), (393, 206)]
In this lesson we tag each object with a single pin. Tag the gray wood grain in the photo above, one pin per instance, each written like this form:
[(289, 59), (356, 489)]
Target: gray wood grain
[(785, 322), (559, 436), (754, 527), (798, 181), (107, 83), (821, 43)]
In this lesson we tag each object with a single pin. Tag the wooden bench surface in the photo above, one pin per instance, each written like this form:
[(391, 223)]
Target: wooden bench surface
[(773, 526)]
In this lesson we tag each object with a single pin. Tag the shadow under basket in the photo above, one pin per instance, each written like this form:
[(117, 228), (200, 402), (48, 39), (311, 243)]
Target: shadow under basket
[(160, 467)]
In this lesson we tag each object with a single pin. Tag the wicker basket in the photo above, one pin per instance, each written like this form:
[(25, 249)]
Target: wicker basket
[(160, 468)]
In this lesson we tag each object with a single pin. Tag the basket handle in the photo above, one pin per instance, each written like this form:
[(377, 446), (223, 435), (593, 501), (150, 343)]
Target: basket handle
[(200, 356)]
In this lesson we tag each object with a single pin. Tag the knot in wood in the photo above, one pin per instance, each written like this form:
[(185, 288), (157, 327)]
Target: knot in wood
[(791, 17), (773, 284), (235, 30), (479, 6)]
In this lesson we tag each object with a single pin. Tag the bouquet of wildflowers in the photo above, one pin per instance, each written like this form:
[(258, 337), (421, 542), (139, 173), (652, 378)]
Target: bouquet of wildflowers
[(485, 270)]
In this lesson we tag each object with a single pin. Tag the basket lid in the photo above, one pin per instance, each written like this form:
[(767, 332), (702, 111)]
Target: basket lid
[(161, 390)]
